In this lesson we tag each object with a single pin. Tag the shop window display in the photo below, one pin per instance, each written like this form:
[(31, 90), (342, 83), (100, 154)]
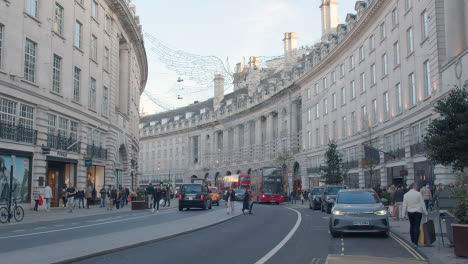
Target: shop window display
[(20, 178)]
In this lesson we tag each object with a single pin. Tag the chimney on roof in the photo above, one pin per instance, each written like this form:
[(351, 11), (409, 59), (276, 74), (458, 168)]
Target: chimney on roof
[(329, 17), (290, 43), (218, 91)]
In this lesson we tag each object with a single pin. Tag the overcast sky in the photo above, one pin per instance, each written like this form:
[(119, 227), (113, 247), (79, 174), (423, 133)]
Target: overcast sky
[(233, 29)]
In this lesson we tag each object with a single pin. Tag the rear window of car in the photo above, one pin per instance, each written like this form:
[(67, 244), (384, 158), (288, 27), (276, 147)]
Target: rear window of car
[(213, 190), (318, 191), (192, 188), (239, 191), (358, 198), (334, 190)]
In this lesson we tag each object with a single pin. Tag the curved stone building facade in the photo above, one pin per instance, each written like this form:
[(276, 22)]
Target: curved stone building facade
[(369, 85), (71, 76)]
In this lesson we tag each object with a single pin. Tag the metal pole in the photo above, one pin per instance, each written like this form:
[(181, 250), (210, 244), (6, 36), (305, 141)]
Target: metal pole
[(11, 191)]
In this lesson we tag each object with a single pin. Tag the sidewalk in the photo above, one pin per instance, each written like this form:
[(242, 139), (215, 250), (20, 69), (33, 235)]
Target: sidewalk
[(59, 213), (434, 254), (74, 249)]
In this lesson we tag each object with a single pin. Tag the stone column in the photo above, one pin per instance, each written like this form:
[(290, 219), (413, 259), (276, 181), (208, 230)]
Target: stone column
[(269, 133), (409, 166), (258, 137)]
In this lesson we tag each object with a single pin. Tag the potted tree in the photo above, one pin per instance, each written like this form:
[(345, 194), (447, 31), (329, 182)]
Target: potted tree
[(446, 144), (138, 200)]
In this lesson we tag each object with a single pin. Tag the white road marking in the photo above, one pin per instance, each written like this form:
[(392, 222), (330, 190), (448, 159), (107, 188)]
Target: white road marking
[(19, 230), (284, 241), (59, 225), (78, 227), (41, 227)]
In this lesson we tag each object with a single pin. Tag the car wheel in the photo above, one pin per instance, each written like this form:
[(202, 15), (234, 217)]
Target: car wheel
[(321, 208), (217, 203), (210, 206), (328, 210), (181, 208), (334, 234), (188, 209), (204, 206), (385, 234)]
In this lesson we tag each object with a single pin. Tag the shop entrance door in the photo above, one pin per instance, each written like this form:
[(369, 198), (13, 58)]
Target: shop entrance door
[(52, 180), (117, 178)]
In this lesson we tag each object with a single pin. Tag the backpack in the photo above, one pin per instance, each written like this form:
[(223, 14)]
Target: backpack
[(117, 194)]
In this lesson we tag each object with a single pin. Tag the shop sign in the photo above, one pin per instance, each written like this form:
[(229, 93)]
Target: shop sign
[(88, 163), (404, 173), (62, 154)]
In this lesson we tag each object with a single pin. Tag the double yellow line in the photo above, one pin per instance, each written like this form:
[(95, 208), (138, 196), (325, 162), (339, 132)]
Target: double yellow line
[(409, 248)]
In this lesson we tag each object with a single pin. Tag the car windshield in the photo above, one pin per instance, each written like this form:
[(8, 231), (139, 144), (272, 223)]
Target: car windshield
[(358, 198), (240, 191), (193, 188), (213, 190), (318, 191), (334, 190)]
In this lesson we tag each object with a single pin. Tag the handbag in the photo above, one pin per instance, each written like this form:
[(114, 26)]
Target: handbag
[(41, 201)]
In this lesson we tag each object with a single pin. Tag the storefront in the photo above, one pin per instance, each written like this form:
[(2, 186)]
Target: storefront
[(395, 176), (117, 177), (96, 178), (424, 173), (22, 166), (60, 172)]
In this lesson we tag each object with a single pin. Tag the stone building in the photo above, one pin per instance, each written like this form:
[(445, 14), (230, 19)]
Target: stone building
[(71, 76), (369, 85)]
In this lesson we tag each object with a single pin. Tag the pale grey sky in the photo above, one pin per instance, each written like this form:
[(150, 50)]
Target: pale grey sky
[(233, 29)]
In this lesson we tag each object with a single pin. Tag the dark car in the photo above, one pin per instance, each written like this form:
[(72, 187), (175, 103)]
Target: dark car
[(194, 195), (315, 201), (358, 210), (329, 196), (240, 193)]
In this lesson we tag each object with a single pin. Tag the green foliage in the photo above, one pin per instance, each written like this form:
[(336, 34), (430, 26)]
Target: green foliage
[(447, 137), (140, 195), (333, 171), (461, 209)]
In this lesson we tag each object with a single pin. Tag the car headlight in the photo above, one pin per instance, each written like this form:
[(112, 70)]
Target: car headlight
[(337, 212), (381, 212)]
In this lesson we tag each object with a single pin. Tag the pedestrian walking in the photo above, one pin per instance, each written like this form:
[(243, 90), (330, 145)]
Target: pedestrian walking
[(35, 196), (110, 198), (293, 196), (233, 199), (427, 195), (302, 197), (80, 196), (413, 203), (163, 196), (127, 194), (117, 198), (245, 202), (398, 201), (149, 193), (88, 195), (157, 198), (71, 192), (47, 196), (250, 202), (103, 196), (64, 195), (168, 196), (122, 196), (227, 200)]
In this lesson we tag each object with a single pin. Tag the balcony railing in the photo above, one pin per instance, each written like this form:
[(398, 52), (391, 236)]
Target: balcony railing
[(351, 164), (397, 154), (18, 133), (418, 148), (63, 143), (96, 152)]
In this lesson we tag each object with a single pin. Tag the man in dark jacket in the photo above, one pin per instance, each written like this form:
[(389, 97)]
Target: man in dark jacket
[(149, 193), (398, 201), (157, 197), (245, 204)]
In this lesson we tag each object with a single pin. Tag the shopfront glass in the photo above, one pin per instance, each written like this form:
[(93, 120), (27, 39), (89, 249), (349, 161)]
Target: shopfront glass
[(118, 178), (59, 174), (96, 178), (21, 175)]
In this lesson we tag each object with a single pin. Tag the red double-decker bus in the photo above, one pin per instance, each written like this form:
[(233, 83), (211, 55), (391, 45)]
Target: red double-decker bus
[(237, 181), (267, 185)]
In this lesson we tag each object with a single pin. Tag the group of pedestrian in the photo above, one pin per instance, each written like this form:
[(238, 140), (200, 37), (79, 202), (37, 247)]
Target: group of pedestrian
[(157, 195), (230, 198), (303, 195)]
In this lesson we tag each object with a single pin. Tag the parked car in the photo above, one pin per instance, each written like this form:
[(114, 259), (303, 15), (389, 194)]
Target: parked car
[(240, 193), (214, 195), (359, 210), (315, 201), (329, 197), (194, 195)]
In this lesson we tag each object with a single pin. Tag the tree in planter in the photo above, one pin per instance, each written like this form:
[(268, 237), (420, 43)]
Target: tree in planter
[(333, 171)]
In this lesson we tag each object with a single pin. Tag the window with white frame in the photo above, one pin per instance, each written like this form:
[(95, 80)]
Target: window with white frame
[(409, 40), (317, 137), (333, 75), (408, 4), (351, 62), (107, 23), (325, 106), (374, 112), (395, 16), (324, 82), (424, 26), (353, 89), (31, 7), (363, 81), (93, 47), (317, 112), (309, 114), (7, 111), (412, 89), (73, 130), (342, 71), (364, 118), (316, 88), (383, 31), (56, 73), (384, 65), (398, 101), (344, 129), (361, 53), (334, 101), (58, 22), (343, 96), (26, 118), (372, 42), (105, 101), (76, 84), (92, 94), (309, 137), (427, 79), (78, 31), (373, 78), (29, 60), (62, 129), (353, 123), (308, 93), (396, 53), (386, 106), (326, 134), (51, 123), (94, 9), (1, 43), (106, 58), (335, 130)]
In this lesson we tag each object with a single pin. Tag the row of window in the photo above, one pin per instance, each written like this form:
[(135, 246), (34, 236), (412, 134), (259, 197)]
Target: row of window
[(61, 126), (16, 114)]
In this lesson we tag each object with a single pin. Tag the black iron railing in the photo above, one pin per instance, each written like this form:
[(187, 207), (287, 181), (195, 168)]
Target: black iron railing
[(18, 133), (397, 154), (418, 148), (96, 152), (63, 143), (351, 164)]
